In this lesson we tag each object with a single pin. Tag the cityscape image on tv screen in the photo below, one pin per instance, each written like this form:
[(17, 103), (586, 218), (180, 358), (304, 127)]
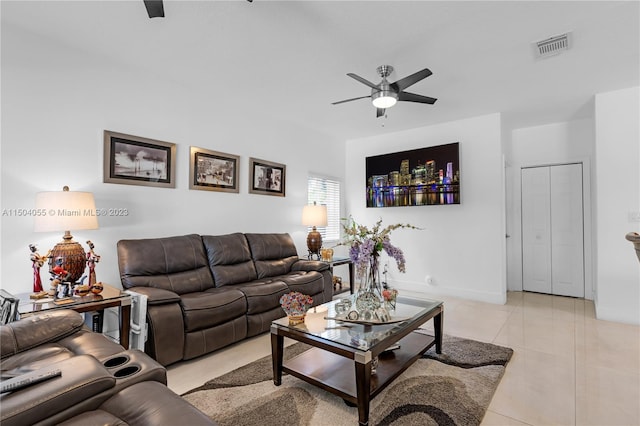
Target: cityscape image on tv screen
[(419, 177)]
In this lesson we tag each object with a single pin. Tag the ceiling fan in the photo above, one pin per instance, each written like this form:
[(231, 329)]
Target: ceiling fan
[(155, 8), (385, 95)]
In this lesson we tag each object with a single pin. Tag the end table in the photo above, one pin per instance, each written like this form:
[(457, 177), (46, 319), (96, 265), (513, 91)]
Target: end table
[(110, 297)]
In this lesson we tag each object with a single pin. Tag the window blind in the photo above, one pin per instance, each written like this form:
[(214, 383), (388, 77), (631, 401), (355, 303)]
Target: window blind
[(326, 191)]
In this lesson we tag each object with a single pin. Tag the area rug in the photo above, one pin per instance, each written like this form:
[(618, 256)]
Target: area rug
[(453, 388)]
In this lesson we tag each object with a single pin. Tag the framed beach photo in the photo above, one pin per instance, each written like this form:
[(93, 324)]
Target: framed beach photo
[(213, 171), (266, 177), (133, 160)]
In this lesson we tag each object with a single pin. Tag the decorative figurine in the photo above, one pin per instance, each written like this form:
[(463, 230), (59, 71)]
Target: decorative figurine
[(59, 275), (97, 288), (80, 288), (92, 259), (37, 262)]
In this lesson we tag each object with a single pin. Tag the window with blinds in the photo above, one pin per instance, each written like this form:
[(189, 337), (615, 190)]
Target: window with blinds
[(326, 191)]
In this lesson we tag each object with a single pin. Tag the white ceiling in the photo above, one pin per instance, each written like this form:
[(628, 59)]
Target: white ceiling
[(290, 59)]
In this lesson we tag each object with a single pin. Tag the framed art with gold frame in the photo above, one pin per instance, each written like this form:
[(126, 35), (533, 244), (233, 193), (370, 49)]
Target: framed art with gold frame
[(213, 170), (134, 160), (267, 177)]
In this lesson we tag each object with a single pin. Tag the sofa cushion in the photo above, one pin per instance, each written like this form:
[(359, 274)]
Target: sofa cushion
[(178, 264), (273, 254), (33, 331), (310, 283), (229, 259), (212, 307), (210, 339), (274, 268), (263, 295), (82, 377), (34, 359), (310, 265), (151, 404), (94, 417), (260, 323), (271, 246), (89, 343), (157, 296)]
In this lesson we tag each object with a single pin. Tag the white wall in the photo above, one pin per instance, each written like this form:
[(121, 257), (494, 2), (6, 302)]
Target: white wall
[(56, 102), (618, 195), (557, 143), (461, 246)]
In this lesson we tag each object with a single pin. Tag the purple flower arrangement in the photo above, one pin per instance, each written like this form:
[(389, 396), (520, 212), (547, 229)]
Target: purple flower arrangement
[(367, 244), (295, 303)]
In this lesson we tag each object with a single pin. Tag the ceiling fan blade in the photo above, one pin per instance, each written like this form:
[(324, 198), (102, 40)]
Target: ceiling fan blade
[(410, 80), (349, 100), (380, 112), (155, 8), (412, 97), (362, 80)]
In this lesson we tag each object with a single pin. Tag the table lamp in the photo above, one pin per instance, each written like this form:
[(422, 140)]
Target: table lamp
[(66, 211), (314, 215)]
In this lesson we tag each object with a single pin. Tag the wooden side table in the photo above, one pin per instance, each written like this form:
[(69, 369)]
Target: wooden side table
[(110, 297), (337, 261)]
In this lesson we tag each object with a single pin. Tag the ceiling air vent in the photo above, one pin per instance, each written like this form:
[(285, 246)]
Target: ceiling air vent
[(552, 46)]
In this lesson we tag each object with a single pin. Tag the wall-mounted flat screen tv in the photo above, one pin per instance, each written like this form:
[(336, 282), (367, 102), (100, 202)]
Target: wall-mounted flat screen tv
[(419, 177)]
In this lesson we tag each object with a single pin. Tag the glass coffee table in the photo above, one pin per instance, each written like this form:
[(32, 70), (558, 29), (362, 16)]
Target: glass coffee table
[(343, 353)]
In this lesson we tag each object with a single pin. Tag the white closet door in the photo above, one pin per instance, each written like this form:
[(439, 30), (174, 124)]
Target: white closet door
[(567, 248), (536, 230)]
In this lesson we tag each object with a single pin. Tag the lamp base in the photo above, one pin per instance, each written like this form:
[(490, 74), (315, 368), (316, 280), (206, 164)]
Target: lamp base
[(72, 256), (314, 243), (311, 255)]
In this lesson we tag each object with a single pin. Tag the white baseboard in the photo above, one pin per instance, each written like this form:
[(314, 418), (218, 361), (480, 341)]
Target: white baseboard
[(617, 315), (432, 292)]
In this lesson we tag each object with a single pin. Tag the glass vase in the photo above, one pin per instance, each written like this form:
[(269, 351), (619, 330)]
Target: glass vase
[(369, 297)]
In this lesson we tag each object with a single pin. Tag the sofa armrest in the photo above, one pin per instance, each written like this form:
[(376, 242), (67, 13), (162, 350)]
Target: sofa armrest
[(157, 296), (165, 340), (82, 377), (309, 265), (38, 329)]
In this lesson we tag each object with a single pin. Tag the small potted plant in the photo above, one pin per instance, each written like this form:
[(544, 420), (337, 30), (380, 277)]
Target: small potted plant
[(389, 295), (295, 305)]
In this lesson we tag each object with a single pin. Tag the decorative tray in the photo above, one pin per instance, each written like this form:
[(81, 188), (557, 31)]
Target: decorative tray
[(367, 322)]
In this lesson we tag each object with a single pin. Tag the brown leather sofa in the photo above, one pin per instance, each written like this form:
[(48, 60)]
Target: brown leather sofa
[(206, 292), (101, 383)]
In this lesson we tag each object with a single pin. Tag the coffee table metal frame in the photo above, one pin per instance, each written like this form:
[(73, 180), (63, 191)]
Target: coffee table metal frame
[(330, 364)]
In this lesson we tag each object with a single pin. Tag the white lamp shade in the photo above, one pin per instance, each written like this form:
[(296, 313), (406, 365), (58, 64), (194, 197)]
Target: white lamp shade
[(65, 211), (314, 215)]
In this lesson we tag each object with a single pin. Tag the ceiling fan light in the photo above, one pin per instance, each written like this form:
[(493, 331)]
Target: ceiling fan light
[(384, 99)]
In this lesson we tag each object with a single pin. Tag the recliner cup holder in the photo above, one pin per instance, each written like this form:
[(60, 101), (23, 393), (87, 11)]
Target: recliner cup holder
[(133, 366), (116, 361), (126, 371)]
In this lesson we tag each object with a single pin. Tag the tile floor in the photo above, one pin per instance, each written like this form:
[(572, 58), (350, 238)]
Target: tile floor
[(567, 369)]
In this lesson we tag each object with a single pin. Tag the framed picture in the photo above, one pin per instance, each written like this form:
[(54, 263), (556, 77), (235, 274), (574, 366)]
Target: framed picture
[(213, 171), (266, 177), (133, 160), (420, 177)]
